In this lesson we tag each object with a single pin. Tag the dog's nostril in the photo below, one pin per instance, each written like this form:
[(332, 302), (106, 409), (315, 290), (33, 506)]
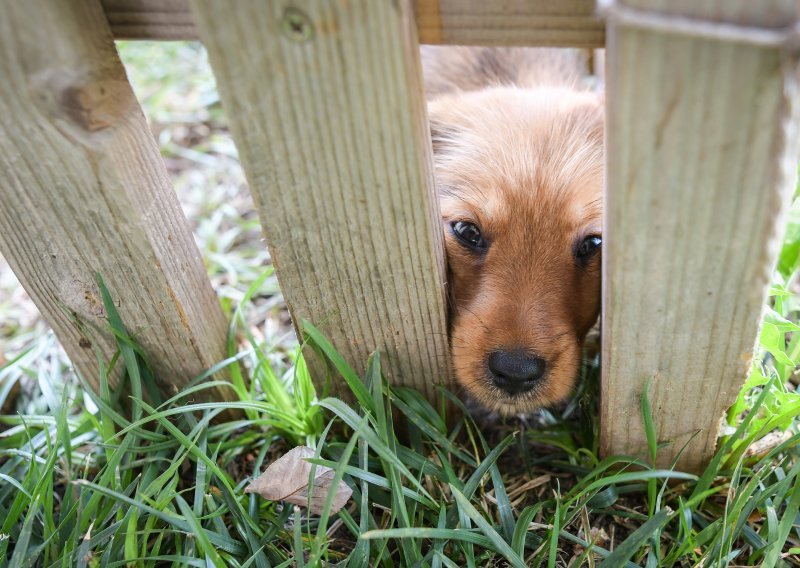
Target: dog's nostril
[(515, 371)]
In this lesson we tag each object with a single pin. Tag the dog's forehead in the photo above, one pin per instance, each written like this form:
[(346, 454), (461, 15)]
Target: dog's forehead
[(505, 196), (524, 170)]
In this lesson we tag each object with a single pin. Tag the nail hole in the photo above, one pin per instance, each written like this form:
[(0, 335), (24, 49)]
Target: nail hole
[(296, 25)]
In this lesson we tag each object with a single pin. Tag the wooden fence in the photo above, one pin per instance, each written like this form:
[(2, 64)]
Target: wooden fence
[(326, 107)]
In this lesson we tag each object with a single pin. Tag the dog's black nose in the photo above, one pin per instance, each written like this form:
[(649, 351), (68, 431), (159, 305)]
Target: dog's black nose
[(515, 371)]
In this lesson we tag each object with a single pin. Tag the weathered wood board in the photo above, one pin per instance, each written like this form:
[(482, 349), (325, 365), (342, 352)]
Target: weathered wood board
[(571, 23), (702, 160), (83, 190), (326, 105), (465, 22)]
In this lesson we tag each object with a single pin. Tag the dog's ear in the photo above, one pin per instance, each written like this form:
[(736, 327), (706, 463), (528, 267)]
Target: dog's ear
[(592, 117), (442, 135), (600, 121)]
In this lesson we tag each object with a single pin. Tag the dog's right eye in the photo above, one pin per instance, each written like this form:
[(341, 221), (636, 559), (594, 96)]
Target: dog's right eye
[(469, 235), (587, 248)]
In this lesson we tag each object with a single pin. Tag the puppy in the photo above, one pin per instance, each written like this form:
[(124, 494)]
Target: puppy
[(518, 153)]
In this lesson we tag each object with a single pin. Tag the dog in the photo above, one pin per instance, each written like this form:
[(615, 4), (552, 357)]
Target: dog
[(517, 138)]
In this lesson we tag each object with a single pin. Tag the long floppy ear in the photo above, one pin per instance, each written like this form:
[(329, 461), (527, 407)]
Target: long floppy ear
[(442, 135), (600, 117), (592, 118)]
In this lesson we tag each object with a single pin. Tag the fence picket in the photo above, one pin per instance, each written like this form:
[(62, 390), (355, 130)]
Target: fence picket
[(326, 105), (83, 190), (702, 160)]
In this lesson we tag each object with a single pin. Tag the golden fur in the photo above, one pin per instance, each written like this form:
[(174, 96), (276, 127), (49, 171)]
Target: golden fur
[(518, 152)]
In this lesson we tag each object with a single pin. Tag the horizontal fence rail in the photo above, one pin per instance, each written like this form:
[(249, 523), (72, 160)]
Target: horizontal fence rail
[(465, 22)]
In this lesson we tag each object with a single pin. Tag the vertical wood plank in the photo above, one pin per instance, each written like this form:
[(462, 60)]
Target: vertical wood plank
[(326, 105), (702, 144), (83, 190)]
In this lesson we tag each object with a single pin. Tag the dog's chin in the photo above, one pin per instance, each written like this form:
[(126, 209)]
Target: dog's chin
[(509, 405), (494, 399)]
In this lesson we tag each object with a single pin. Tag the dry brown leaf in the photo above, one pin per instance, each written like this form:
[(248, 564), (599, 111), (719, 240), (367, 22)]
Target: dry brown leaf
[(286, 479), (527, 486), (769, 442)]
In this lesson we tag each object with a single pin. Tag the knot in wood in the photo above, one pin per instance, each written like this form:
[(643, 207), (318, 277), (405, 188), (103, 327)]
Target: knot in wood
[(96, 105), (296, 25)]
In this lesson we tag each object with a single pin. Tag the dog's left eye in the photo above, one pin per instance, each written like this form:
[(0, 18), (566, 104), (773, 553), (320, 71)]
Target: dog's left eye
[(588, 247), (469, 235)]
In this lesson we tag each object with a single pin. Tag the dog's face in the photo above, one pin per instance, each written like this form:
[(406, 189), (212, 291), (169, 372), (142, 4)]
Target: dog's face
[(520, 176)]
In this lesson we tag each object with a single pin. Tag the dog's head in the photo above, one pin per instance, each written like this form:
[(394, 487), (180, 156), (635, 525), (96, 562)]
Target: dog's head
[(520, 176)]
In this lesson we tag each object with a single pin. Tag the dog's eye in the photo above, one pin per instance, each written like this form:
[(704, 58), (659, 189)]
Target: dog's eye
[(588, 247), (469, 235)]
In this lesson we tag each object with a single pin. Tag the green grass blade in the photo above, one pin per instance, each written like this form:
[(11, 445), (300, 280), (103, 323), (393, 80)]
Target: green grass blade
[(124, 343), (638, 476), (376, 480), (22, 554), (521, 529), (226, 543), (787, 523), (497, 541), (485, 466), (652, 446), (237, 377), (322, 526), (199, 534), (299, 549), (353, 381), (627, 548), (431, 533), (649, 424), (504, 509), (85, 548), (380, 446), (16, 484), (552, 553)]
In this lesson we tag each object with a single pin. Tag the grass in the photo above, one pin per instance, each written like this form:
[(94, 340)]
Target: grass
[(88, 486), (83, 483)]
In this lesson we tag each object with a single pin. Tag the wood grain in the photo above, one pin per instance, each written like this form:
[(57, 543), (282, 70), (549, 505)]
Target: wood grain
[(150, 19), (326, 106), (570, 23), (466, 22), (84, 191), (702, 147)]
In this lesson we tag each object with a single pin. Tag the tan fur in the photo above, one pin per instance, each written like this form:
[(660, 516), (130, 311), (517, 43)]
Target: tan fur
[(518, 149)]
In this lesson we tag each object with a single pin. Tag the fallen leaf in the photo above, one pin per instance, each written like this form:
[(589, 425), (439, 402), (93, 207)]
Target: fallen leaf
[(286, 479), (755, 517), (598, 536), (767, 443)]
